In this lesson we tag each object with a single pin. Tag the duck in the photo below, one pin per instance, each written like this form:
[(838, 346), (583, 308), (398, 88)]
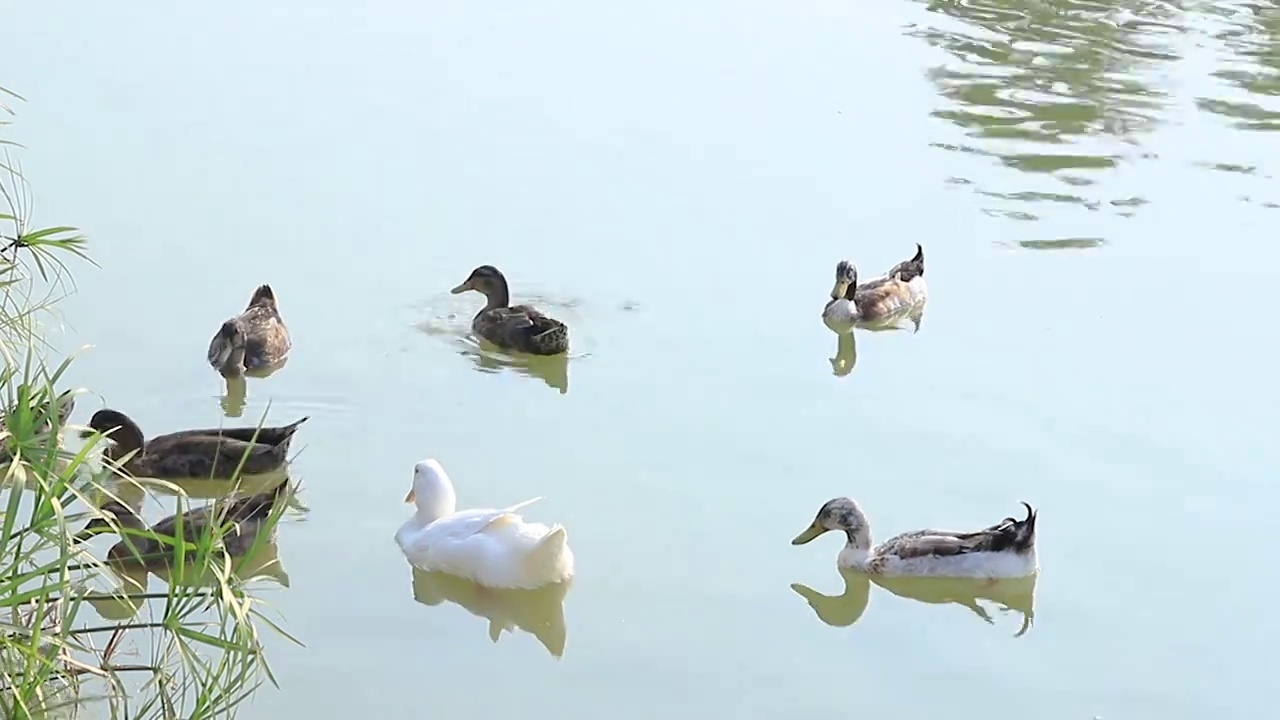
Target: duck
[(256, 339), (213, 453), (511, 327), (1004, 550), (492, 548), (879, 299), (247, 516)]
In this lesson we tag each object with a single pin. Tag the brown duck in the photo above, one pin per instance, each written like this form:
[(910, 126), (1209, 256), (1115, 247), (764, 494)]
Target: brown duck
[(512, 327), (256, 339), (213, 453)]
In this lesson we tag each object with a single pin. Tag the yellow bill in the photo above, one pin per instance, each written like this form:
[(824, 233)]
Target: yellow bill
[(810, 533)]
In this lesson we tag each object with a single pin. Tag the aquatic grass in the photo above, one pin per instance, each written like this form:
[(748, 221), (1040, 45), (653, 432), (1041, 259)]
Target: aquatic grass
[(192, 651)]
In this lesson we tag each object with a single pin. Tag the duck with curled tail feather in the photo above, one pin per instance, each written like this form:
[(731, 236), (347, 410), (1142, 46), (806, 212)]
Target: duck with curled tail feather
[(1004, 550), (876, 301)]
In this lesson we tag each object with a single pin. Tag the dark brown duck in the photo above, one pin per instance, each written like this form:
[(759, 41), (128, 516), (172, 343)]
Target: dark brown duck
[(212, 453)]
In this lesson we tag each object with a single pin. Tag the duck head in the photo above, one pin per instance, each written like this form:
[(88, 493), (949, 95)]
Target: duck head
[(124, 432), (846, 280), (226, 350), (489, 281), (839, 514), (432, 492)]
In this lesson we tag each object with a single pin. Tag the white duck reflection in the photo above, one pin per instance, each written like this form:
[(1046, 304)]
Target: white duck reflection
[(1015, 595), (539, 612)]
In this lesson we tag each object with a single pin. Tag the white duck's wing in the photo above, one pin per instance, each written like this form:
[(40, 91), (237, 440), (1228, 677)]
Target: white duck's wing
[(465, 523)]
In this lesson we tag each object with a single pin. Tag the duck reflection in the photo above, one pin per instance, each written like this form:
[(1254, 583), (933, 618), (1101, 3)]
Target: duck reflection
[(126, 600), (249, 541), (550, 369), (846, 354), (1009, 594), (1015, 595), (840, 610), (213, 489), (847, 342), (539, 612), (233, 400)]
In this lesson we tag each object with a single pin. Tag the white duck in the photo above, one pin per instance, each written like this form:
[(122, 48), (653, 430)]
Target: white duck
[(494, 548)]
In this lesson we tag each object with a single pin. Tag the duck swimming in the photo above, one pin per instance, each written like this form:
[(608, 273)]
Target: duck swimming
[(1004, 550), (248, 516), (518, 327), (877, 300), (213, 453), (256, 339), (494, 548)]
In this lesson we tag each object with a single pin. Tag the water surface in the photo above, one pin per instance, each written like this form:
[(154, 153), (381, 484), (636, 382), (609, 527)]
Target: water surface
[(1093, 187)]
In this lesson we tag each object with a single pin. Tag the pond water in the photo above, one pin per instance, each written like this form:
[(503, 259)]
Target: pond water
[(1093, 186)]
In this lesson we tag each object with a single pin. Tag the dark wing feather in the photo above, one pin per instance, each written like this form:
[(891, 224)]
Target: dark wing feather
[(908, 270), (523, 328), (1008, 535)]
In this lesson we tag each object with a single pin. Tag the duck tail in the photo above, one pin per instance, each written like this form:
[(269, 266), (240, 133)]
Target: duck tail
[(264, 295), (551, 548), (552, 341), (1024, 531), (291, 428), (918, 259)]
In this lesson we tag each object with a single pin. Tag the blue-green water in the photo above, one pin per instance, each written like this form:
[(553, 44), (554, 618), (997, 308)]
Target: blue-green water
[(1093, 187)]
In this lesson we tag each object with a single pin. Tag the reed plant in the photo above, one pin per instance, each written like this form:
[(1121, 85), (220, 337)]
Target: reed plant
[(79, 634)]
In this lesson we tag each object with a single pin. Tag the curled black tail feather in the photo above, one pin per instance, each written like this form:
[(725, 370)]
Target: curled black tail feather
[(1025, 530)]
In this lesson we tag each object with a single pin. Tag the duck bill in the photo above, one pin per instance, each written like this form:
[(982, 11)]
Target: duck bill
[(411, 498), (839, 289), (461, 288), (810, 533)]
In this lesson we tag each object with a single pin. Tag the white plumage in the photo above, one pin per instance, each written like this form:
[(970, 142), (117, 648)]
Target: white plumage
[(495, 548)]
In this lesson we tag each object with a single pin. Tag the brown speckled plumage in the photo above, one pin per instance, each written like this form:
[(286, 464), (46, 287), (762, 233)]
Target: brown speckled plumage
[(518, 327), (878, 298), (256, 339)]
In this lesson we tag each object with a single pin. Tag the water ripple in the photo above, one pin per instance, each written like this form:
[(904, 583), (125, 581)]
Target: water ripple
[(1060, 92), (1248, 36)]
